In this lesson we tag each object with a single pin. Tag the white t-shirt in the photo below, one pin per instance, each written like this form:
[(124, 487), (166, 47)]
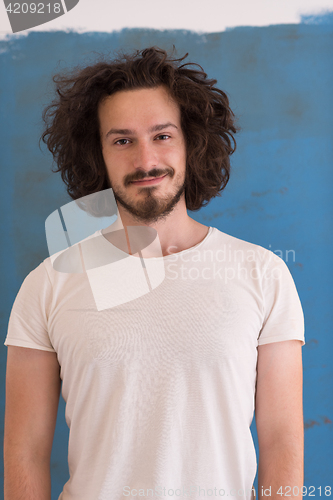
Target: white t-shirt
[(160, 390)]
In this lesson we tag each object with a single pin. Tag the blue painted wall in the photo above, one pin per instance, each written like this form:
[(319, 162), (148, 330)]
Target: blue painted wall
[(280, 81)]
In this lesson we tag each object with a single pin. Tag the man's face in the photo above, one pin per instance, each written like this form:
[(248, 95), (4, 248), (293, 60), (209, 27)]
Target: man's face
[(141, 138)]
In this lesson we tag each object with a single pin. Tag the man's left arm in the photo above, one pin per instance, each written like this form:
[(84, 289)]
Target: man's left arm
[(279, 420)]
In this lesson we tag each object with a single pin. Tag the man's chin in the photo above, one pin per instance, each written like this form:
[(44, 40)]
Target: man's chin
[(147, 214), (150, 210)]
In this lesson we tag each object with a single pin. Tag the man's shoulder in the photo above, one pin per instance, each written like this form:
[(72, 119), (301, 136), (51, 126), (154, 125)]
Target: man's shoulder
[(235, 243), (47, 268)]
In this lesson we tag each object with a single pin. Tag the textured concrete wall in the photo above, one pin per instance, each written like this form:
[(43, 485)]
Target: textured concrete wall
[(279, 80)]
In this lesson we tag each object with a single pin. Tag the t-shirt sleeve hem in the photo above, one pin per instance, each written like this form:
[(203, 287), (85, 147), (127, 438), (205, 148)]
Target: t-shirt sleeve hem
[(23, 343), (279, 338)]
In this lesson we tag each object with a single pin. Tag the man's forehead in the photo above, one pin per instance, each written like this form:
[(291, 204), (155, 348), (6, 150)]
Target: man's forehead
[(148, 111), (157, 95)]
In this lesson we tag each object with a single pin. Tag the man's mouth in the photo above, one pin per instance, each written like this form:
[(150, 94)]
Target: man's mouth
[(149, 180)]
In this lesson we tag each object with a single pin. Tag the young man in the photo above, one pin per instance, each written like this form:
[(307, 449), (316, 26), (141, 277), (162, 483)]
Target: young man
[(160, 391)]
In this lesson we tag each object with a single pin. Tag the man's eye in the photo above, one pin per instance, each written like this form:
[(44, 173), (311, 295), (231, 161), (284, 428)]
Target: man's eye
[(163, 135), (121, 141)]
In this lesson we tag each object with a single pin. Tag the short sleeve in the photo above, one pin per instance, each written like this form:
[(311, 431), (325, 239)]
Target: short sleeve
[(283, 313), (28, 319)]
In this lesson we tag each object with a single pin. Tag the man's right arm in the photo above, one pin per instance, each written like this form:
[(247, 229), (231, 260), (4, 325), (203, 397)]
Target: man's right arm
[(33, 386)]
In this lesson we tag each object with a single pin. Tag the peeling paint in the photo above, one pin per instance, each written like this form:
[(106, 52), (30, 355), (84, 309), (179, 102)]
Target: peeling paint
[(311, 344), (310, 423), (263, 193), (326, 420)]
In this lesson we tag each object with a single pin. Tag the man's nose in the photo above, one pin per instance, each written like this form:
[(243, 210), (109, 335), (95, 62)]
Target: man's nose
[(145, 156)]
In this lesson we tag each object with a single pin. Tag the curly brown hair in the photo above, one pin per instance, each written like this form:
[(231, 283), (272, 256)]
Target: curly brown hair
[(72, 126)]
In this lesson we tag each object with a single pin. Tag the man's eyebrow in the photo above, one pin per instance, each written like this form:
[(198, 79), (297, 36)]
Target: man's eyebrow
[(127, 131), (157, 128)]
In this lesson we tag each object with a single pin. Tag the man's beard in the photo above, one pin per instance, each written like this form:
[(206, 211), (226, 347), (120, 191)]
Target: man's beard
[(151, 207)]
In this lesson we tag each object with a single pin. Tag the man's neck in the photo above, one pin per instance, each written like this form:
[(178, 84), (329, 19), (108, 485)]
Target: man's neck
[(176, 233)]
